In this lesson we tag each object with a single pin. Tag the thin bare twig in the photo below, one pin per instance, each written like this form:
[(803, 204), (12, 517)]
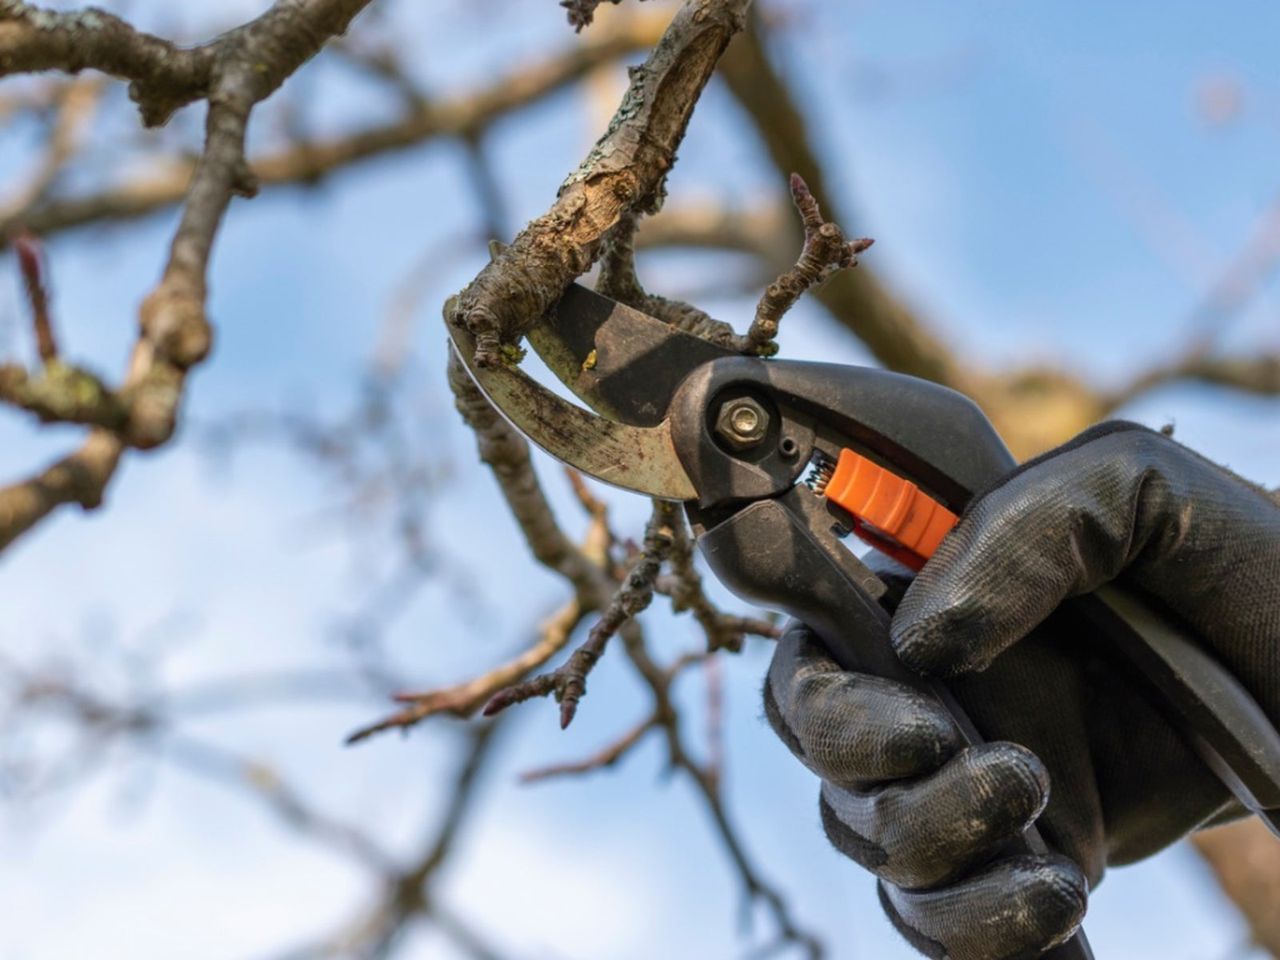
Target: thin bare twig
[(466, 698), (825, 251), (569, 682), (605, 757), (31, 261)]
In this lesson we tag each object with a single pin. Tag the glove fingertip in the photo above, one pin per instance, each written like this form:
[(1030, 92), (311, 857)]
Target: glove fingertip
[(945, 631), (1062, 896), (929, 645), (1017, 908)]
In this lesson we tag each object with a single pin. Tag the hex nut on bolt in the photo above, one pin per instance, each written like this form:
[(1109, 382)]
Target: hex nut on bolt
[(742, 423)]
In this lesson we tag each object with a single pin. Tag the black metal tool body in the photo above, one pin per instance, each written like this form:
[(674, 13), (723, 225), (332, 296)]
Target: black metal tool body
[(661, 396)]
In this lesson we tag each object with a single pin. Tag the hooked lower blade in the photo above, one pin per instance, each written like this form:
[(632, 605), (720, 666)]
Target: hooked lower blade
[(639, 459), (621, 362)]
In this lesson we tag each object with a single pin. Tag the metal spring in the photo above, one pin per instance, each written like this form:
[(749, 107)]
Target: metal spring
[(821, 469)]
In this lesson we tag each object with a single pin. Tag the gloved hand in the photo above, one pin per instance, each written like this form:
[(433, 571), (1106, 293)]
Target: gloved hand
[(902, 797)]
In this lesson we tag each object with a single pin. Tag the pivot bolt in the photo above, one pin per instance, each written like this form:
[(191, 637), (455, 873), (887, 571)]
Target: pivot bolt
[(742, 423)]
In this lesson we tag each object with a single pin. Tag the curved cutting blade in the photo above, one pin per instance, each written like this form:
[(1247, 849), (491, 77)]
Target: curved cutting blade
[(621, 362), (640, 459)]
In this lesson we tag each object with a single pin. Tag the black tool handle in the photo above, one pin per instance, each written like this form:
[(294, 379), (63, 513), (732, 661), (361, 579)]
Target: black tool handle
[(776, 553), (1218, 716)]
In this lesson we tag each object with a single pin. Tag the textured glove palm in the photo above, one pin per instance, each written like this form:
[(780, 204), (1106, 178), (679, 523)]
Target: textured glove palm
[(903, 797)]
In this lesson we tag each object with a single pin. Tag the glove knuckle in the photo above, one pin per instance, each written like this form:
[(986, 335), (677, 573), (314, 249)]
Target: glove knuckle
[(851, 842)]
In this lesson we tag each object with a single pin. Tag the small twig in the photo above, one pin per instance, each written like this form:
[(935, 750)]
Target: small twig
[(569, 681), (605, 757), (31, 261), (825, 251), (466, 698), (714, 673)]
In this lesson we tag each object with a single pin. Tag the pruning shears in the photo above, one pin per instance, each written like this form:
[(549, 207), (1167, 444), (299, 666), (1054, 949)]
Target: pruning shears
[(776, 461)]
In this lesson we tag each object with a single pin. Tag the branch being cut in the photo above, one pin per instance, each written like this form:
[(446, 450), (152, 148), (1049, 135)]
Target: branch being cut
[(618, 280), (625, 171)]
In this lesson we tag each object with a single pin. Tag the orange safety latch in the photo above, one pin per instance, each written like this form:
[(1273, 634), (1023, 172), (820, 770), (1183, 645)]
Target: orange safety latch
[(890, 513)]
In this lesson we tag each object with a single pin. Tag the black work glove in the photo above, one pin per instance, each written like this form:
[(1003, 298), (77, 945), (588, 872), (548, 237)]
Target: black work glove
[(904, 799)]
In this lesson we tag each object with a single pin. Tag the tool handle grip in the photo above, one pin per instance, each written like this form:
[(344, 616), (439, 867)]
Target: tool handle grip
[(778, 554), (1218, 716)]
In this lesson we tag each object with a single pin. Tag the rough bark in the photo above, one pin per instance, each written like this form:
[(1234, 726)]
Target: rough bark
[(624, 172)]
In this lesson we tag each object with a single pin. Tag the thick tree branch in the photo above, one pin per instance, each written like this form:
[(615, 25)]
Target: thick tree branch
[(162, 75), (624, 172)]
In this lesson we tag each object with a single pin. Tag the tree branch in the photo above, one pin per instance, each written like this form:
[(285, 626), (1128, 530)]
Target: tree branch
[(624, 172), (825, 251), (568, 682), (251, 62), (162, 75), (309, 162)]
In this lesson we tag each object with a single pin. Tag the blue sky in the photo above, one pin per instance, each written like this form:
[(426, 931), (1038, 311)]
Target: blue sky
[(1041, 184)]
